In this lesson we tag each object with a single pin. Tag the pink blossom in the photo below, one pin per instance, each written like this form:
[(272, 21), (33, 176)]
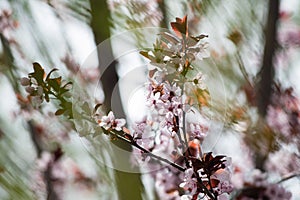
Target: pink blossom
[(289, 162), (278, 120), (109, 122), (189, 183), (199, 81), (276, 192), (167, 184), (197, 131)]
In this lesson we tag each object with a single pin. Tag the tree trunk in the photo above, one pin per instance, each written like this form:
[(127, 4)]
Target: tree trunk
[(129, 185), (264, 86)]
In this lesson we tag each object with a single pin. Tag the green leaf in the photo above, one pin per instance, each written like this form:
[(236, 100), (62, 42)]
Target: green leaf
[(64, 88), (97, 131), (68, 83), (96, 107), (55, 83), (145, 54), (48, 76), (68, 109), (60, 112), (38, 73), (167, 37), (86, 108)]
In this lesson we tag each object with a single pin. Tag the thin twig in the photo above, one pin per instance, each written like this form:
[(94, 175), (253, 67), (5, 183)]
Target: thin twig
[(51, 193), (205, 190), (288, 177), (243, 69), (133, 143)]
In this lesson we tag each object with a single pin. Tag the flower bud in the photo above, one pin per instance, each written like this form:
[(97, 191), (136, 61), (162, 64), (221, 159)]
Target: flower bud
[(36, 101), (25, 81), (29, 89), (40, 91)]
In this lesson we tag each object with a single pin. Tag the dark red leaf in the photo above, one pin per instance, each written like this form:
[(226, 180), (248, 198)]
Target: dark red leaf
[(180, 27)]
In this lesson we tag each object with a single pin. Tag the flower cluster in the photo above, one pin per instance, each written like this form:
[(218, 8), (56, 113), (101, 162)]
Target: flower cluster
[(143, 12), (284, 113), (176, 53), (165, 100), (60, 173), (7, 23), (213, 173), (40, 86), (34, 90), (165, 130)]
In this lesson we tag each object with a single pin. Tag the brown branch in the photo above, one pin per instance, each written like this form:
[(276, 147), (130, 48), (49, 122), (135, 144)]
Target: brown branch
[(51, 193), (133, 143)]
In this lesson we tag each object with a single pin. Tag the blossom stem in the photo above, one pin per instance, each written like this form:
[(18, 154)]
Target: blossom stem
[(288, 177), (243, 69), (204, 188), (184, 133), (133, 143)]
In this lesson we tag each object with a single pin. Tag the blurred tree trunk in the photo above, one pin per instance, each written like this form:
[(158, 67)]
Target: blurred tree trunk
[(264, 85), (129, 185), (162, 6), (266, 75)]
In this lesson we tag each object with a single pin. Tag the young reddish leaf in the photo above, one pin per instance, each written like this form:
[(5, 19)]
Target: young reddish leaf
[(180, 26), (152, 72)]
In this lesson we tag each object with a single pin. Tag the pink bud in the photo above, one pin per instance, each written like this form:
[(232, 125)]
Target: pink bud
[(25, 81)]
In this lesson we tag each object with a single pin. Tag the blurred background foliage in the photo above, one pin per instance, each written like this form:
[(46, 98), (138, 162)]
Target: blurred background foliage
[(62, 33)]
